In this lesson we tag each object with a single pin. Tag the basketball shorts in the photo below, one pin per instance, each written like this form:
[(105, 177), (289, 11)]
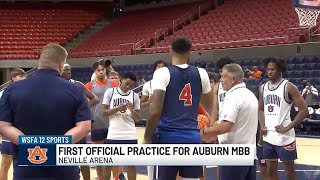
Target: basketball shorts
[(99, 134), (113, 141), (284, 153), (261, 161), (170, 172), (6, 147), (237, 172)]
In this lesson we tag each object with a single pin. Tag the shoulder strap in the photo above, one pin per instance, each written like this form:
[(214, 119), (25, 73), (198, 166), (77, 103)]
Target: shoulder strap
[(93, 83), (111, 95), (132, 97)]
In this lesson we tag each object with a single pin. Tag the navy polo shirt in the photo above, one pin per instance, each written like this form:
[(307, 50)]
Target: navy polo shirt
[(44, 104)]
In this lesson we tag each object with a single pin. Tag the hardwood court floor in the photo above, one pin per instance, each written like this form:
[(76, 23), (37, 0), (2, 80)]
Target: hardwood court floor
[(308, 164)]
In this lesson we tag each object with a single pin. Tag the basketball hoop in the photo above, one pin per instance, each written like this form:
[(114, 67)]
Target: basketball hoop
[(307, 17)]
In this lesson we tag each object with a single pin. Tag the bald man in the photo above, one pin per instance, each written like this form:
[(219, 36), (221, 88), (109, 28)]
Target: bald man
[(66, 74), (48, 105)]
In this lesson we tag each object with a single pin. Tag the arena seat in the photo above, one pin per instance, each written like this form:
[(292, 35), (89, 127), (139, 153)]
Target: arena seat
[(133, 27), (253, 23), (27, 26)]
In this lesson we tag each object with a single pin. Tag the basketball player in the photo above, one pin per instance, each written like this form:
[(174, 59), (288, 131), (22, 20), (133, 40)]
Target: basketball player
[(275, 101), (177, 90), (113, 76), (106, 64), (100, 125), (93, 100), (147, 88), (239, 120), (16, 74), (122, 106), (146, 99), (66, 74), (213, 79), (261, 161)]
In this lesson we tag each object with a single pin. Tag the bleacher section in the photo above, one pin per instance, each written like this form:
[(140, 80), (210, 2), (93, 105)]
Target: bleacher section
[(26, 27), (243, 24), (131, 29)]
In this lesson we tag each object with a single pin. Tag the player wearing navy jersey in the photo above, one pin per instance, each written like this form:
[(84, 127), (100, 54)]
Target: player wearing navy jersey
[(177, 91), (275, 101)]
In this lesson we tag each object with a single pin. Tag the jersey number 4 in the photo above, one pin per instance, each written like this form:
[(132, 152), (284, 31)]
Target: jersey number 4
[(185, 95)]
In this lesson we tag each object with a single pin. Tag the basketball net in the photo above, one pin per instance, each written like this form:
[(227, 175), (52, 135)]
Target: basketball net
[(307, 17)]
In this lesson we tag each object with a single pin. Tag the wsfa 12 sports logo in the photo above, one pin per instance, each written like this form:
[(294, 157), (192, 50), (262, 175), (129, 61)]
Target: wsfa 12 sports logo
[(37, 155)]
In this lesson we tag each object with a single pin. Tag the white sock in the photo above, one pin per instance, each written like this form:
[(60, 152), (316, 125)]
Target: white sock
[(190, 178)]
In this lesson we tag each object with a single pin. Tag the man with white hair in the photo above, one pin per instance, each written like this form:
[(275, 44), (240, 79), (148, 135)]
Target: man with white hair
[(239, 120)]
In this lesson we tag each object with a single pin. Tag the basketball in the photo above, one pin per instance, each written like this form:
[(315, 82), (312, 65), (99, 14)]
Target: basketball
[(203, 121)]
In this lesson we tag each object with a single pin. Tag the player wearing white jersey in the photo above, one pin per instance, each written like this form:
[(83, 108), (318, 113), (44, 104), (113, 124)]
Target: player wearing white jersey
[(275, 101), (147, 87), (16, 74), (146, 99), (122, 106)]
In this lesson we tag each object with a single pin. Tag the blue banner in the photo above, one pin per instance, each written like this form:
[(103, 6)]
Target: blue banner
[(39, 150)]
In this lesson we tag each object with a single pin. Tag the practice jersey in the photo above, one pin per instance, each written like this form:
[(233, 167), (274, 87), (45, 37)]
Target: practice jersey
[(121, 124), (221, 96), (277, 112), (100, 121), (147, 88), (184, 86)]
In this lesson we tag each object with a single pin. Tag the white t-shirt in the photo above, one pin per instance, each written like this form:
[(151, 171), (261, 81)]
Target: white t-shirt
[(161, 79), (147, 88), (121, 125), (241, 108)]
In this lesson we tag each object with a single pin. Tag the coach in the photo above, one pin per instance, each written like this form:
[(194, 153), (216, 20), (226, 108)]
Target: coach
[(239, 120), (45, 104)]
